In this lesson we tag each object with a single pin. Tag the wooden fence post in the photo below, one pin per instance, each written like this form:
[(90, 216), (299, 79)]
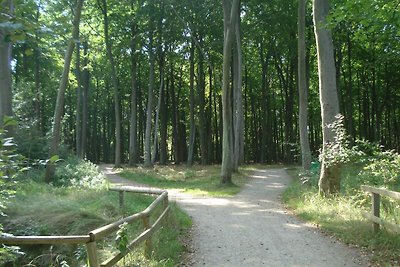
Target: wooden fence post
[(376, 199), (91, 249), (148, 246)]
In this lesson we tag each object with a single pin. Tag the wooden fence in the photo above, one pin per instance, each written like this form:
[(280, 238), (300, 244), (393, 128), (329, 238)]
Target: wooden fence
[(91, 239), (377, 221)]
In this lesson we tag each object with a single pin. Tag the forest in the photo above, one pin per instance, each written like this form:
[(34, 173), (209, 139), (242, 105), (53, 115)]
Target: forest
[(145, 81), (141, 83)]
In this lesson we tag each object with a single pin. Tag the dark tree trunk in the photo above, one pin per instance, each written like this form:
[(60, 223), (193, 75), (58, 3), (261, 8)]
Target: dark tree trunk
[(192, 129)]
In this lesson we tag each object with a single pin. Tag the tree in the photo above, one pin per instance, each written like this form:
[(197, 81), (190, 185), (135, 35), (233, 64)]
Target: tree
[(50, 168), (79, 102), (303, 90), (5, 64), (114, 79), (133, 118), (149, 110), (329, 181), (192, 129), (238, 100), (231, 14)]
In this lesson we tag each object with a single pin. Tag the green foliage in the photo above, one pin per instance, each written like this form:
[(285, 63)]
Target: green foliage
[(121, 240), (338, 151), (78, 173), (10, 164), (341, 215), (382, 169), (42, 209)]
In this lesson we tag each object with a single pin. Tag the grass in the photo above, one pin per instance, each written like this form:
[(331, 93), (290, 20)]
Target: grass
[(341, 217), (40, 209), (197, 180)]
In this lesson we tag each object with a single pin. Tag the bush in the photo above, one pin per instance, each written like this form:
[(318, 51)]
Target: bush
[(10, 164), (80, 173), (382, 170)]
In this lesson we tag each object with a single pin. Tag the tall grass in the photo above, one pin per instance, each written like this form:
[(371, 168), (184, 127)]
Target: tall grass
[(341, 215), (76, 209)]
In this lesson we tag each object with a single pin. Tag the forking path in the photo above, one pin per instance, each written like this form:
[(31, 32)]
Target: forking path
[(254, 229)]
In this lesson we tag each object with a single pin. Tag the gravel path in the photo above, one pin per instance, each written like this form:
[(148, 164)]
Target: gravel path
[(254, 229)]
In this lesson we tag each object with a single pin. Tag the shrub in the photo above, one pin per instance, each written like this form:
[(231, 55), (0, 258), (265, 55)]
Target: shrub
[(10, 164), (80, 173)]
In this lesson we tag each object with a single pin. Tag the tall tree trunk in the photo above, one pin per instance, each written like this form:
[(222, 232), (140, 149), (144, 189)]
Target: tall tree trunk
[(50, 168), (329, 182), (239, 118), (164, 123), (5, 70), (303, 90), (230, 16), (149, 112), (133, 118), (79, 101), (350, 118), (37, 97), (85, 99), (201, 87), (117, 105), (156, 126), (191, 109), (175, 117)]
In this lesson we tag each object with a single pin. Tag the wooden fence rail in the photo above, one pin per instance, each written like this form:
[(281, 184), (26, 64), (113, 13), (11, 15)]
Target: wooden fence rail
[(91, 239), (376, 194)]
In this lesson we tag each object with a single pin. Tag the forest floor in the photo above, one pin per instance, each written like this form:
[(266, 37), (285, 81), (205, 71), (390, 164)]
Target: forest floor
[(253, 228)]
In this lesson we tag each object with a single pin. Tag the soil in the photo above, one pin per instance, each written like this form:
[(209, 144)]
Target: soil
[(254, 229)]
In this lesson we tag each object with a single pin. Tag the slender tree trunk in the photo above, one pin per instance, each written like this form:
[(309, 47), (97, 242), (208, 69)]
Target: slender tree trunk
[(5, 70), (133, 118), (230, 16), (156, 127), (350, 108), (79, 100), (117, 105), (164, 123), (50, 168), (149, 112), (191, 109), (85, 99), (175, 121), (37, 97), (303, 90), (329, 182), (201, 87), (239, 118)]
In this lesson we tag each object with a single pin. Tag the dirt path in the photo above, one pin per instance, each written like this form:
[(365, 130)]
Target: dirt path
[(254, 229)]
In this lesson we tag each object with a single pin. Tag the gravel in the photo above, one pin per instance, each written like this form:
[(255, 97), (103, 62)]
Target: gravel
[(254, 229)]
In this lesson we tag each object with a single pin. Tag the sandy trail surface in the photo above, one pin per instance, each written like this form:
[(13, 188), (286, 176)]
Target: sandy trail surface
[(254, 229)]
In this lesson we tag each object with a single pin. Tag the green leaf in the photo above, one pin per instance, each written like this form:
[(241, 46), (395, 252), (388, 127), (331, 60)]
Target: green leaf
[(54, 158), (29, 52), (9, 121)]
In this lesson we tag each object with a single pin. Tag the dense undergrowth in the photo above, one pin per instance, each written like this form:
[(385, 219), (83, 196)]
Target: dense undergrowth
[(76, 203), (341, 215)]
